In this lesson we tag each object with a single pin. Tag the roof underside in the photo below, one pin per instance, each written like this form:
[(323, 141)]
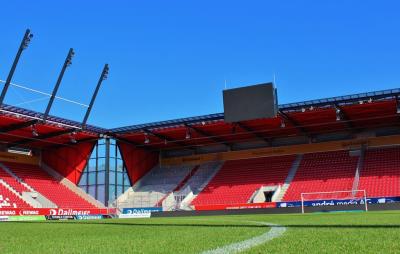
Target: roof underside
[(24, 128), (352, 114)]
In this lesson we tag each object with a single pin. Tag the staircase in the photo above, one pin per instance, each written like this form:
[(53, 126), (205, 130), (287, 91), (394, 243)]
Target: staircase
[(154, 186), (289, 178), (198, 182), (360, 165), (180, 185)]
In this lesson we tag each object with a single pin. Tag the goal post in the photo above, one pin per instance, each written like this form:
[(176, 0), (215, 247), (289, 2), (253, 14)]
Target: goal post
[(334, 199)]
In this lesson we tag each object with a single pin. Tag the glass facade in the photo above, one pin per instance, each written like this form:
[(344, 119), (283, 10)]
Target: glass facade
[(105, 176)]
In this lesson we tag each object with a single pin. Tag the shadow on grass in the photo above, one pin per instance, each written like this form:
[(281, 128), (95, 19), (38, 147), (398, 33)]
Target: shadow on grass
[(344, 226)]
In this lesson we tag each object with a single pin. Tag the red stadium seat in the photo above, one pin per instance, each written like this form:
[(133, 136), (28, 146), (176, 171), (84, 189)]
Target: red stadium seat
[(48, 186), (323, 172), (238, 180), (380, 176)]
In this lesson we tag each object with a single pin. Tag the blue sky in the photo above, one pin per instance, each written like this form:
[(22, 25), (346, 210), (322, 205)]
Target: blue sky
[(170, 59)]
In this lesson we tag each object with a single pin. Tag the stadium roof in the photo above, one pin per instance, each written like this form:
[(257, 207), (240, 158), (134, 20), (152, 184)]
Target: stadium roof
[(25, 128), (22, 127), (350, 113)]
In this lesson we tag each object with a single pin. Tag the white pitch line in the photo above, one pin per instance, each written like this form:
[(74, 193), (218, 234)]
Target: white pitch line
[(274, 232)]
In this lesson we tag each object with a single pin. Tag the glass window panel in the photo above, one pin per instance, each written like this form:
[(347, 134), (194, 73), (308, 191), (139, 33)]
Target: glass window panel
[(92, 191), (112, 193), (93, 155), (112, 164), (92, 178), (101, 150), (120, 179), (119, 154), (120, 165), (83, 180), (101, 193), (102, 164), (92, 165), (119, 190), (126, 180), (112, 150), (112, 141), (101, 176), (111, 176)]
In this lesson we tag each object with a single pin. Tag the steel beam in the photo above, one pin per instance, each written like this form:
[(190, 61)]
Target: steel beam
[(41, 137), (67, 62), (103, 76)]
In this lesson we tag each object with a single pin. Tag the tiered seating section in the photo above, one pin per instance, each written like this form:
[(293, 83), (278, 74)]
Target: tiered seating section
[(323, 172), (49, 187), (10, 200), (238, 180), (158, 183), (234, 183), (380, 176), (205, 172), (12, 181)]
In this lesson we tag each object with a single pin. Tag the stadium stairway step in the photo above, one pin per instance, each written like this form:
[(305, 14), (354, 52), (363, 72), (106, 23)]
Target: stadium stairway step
[(360, 165), (289, 178), (185, 205), (180, 185), (123, 199)]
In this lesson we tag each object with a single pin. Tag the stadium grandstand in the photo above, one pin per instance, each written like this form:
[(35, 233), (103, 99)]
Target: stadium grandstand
[(346, 143)]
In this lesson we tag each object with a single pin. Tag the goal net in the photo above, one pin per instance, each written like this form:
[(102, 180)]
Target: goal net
[(334, 201)]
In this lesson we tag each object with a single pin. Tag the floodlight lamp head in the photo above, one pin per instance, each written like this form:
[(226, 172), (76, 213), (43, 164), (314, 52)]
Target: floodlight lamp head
[(105, 73), (69, 57), (27, 40), (146, 138), (338, 116), (72, 137), (34, 131), (283, 124), (188, 134)]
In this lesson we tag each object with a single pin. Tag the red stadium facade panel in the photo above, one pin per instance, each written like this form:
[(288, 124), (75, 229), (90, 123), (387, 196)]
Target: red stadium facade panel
[(69, 161), (137, 161)]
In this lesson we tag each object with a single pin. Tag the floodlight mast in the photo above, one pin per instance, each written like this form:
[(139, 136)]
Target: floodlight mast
[(103, 76), (24, 44), (67, 62)]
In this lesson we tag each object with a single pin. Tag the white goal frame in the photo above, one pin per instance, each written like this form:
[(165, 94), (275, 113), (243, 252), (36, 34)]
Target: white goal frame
[(351, 192)]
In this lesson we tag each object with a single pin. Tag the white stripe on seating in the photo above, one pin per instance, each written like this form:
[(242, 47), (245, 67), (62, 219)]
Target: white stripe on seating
[(274, 232)]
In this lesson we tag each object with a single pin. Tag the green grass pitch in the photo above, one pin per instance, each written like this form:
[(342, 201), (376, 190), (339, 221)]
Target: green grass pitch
[(372, 232)]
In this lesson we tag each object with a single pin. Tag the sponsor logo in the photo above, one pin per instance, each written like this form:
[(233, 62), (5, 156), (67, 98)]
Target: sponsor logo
[(29, 212), (8, 212), (68, 212), (89, 217), (141, 210), (333, 202), (3, 218), (60, 217), (134, 215)]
